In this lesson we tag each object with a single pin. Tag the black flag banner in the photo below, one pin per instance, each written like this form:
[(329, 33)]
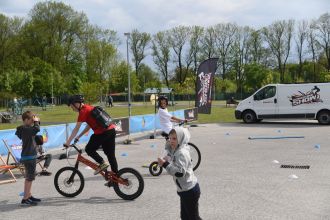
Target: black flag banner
[(205, 76)]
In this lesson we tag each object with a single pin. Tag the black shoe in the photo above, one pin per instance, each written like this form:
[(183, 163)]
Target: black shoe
[(28, 202), (34, 199), (45, 173), (108, 184)]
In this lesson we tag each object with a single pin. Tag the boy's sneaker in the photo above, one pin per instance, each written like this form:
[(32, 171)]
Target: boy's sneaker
[(28, 202), (102, 167), (45, 173), (34, 199)]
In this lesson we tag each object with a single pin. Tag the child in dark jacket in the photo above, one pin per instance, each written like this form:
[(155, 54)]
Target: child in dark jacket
[(178, 164), (27, 133)]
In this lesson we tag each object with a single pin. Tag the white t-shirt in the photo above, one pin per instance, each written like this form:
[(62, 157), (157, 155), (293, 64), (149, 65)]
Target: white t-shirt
[(165, 120)]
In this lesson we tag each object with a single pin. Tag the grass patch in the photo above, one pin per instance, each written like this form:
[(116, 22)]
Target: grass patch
[(63, 114)]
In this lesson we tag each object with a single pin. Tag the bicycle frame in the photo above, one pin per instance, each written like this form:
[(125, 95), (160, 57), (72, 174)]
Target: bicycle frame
[(108, 175)]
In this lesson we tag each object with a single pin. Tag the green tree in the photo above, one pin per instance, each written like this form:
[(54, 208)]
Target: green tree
[(161, 53), (90, 90), (178, 38), (139, 42), (147, 77), (278, 35), (119, 78), (258, 76)]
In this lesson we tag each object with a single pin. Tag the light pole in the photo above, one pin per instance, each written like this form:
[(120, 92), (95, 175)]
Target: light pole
[(52, 89), (128, 141)]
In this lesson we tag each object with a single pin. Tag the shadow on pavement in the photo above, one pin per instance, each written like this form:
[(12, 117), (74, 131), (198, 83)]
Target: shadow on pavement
[(59, 201)]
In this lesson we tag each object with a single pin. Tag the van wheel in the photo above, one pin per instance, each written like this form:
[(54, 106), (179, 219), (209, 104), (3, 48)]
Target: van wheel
[(249, 117), (323, 117)]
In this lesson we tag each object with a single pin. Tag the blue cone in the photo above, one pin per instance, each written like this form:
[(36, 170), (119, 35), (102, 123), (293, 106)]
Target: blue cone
[(21, 194), (153, 145), (124, 154), (317, 146)]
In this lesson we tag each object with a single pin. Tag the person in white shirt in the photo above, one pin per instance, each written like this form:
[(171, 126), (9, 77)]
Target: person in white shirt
[(165, 118)]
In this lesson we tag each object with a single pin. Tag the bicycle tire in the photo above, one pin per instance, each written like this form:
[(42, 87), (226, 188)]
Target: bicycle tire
[(155, 169), (198, 154), (119, 191), (58, 182)]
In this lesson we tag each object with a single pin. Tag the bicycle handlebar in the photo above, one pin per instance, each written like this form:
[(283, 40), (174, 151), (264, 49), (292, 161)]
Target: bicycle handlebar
[(74, 146), (185, 121)]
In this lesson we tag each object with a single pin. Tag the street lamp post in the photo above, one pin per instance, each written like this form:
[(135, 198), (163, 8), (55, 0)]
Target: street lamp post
[(128, 141)]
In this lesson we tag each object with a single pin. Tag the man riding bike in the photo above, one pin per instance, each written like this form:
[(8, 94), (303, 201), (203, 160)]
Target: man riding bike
[(102, 136)]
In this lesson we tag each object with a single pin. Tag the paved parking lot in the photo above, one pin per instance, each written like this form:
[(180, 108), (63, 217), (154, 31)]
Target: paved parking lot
[(239, 179)]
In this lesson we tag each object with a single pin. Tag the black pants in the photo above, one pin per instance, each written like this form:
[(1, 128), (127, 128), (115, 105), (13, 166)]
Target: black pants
[(189, 203), (107, 141)]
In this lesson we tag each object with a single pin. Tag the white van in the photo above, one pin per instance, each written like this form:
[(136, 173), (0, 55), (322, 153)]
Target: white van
[(311, 100)]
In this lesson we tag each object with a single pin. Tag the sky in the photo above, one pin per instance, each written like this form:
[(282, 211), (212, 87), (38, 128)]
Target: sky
[(155, 15)]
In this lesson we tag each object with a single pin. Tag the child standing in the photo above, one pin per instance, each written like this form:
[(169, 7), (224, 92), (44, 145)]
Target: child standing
[(178, 164), (26, 133)]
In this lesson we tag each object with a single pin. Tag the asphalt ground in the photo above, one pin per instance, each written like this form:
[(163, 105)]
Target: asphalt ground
[(239, 178)]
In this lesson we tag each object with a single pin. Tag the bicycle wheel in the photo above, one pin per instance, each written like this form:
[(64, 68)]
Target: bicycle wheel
[(195, 155), (155, 169), (69, 181), (135, 185)]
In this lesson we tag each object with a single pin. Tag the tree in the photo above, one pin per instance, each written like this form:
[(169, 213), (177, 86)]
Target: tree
[(178, 38), (257, 52), (139, 42), (313, 46), (300, 38), (147, 77), (257, 76), (161, 53), (208, 44), (224, 38), (23, 83), (322, 25), (278, 36), (241, 52), (9, 33), (54, 33), (45, 76), (119, 78), (195, 47)]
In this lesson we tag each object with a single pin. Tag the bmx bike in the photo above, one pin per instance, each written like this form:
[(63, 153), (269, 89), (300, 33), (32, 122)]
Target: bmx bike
[(69, 181)]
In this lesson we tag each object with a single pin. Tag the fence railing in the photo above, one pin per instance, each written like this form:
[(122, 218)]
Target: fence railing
[(55, 135)]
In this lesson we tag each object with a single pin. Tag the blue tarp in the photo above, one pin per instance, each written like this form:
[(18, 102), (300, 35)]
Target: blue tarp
[(55, 135)]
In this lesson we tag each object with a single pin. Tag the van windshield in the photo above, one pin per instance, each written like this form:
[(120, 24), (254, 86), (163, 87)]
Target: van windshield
[(265, 93)]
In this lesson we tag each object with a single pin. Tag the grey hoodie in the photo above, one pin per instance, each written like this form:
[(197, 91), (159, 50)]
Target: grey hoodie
[(180, 165)]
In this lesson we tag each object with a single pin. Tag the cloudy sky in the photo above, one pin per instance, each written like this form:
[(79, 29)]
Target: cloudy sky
[(155, 15)]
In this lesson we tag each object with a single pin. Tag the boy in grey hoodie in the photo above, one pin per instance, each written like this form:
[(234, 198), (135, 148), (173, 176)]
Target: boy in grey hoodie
[(178, 164), (27, 133)]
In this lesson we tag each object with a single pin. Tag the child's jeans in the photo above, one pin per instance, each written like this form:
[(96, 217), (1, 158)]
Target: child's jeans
[(189, 203)]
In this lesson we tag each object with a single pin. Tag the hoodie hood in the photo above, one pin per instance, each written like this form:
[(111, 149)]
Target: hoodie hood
[(182, 135)]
